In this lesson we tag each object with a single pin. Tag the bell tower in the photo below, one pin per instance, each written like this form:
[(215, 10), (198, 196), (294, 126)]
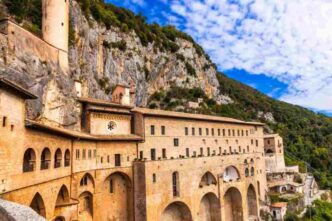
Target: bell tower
[(55, 23)]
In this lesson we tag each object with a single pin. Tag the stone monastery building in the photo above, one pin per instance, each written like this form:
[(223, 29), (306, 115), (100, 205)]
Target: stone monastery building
[(125, 163)]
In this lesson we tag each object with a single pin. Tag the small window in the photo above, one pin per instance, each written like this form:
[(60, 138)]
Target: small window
[(208, 151), (141, 154), (223, 132), (186, 132), (242, 133), (4, 121), (164, 153), (175, 184), (117, 160), (153, 154), (89, 154), (187, 152), (163, 130), (200, 131), (229, 132), (176, 142), (212, 131), (219, 132), (207, 131), (101, 159), (77, 154), (94, 153), (233, 133), (252, 142), (220, 150), (247, 133), (238, 133), (108, 158), (12, 127), (154, 178), (248, 150), (256, 143), (84, 154), (239, 149), (201, 151), (193, 131), (152, 130)]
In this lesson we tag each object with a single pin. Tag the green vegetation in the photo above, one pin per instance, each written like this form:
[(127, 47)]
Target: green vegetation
[(320, 211), (28, 10), (190, 69), (121, 45), (110, 15)]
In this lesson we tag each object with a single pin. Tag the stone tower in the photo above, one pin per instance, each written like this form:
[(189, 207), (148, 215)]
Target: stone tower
[(56, 23)]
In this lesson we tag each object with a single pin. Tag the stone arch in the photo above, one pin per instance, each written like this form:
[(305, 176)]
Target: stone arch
[(38, 205), (252, 202), (67, 158), (63, 196), (176, 211), (57, 158), (231, 173), (208, 179), (29, 160), (87, 180), (45, 159), (117, 187), (209, 209), (85, 206), (233, 205)]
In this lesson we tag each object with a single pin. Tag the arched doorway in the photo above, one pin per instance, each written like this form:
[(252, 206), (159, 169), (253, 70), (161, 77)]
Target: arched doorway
[(233, 205), (252, 202), (209, 209), (29, 160), (37, 204), (177, 211), (85, 206), (117, 188)]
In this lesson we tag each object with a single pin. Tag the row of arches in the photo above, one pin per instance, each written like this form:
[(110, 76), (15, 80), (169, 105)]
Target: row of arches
[(210, 208), (38, 205), (30, 159)]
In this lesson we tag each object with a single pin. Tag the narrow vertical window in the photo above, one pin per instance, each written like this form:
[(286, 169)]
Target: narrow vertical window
[(176, 142), (111, 186), (153, 154), (4, 121), (163, 130), (193, 131), (212, 131), (84, 154), (187, 152), (186, 131), (208, 151), (201, 151), (219, 132), (141, 154), (200, 131), (175, 184), (164, 153), (207, 131), (152, 130), (154, 178), (117, 160)]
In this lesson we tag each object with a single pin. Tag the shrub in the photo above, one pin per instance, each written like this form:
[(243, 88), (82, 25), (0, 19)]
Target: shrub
[(190, 69)]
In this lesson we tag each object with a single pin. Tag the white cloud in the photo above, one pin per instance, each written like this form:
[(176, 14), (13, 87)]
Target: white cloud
[(288, 40)]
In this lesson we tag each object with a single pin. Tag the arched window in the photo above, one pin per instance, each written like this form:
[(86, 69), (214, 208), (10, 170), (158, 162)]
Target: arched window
[(231, 174), (245, 161), (247, 172), (57, 158), (29, 160), (252, 160), (45, 159), (37, 204), (208, 179), (252, 171), (175, 184), (67, 158), (87, 180)]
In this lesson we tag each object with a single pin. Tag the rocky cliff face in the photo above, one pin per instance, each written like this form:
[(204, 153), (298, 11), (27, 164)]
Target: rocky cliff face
[(101, 58)]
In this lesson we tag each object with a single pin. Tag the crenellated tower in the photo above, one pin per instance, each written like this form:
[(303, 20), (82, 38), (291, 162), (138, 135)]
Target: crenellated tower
[(56, 23)]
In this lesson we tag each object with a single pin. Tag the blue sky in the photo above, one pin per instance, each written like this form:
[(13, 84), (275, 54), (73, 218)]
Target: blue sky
[(282, 48)]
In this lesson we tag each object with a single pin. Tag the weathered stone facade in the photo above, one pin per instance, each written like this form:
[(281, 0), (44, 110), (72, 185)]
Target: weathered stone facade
[(168, 166)]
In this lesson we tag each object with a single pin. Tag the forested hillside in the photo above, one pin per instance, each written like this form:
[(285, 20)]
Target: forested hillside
[(307, 135)]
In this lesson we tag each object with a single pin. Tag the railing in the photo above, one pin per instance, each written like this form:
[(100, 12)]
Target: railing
[(28, 167), (67, 163), (57, 164), (45, 165)]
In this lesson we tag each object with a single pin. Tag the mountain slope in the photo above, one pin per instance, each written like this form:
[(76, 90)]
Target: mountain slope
[(111, 45)]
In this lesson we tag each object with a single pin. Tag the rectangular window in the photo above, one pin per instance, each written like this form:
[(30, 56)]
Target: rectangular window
[(187, 152), (94, 153), (77, 154), (111, 186), (238, 133), (164, 153), (252, 142), (223, 132), (89, 154), (101, 159), (229, 132), (220, 150), (233, 133), (186, 131), (141, 154), (242, 133), (200, 131), (230, 149), (208, 151), (219, 132), (207, 131), (152, 130), (212, 131), (4, 121), (193, 131), (163, 130), (248, 150), (153, 154), (117, 160), (239, 149), (256, 143), (247, 133), (84, 154), (201, 151), (176, 142), (108, 158), (154, 178)]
